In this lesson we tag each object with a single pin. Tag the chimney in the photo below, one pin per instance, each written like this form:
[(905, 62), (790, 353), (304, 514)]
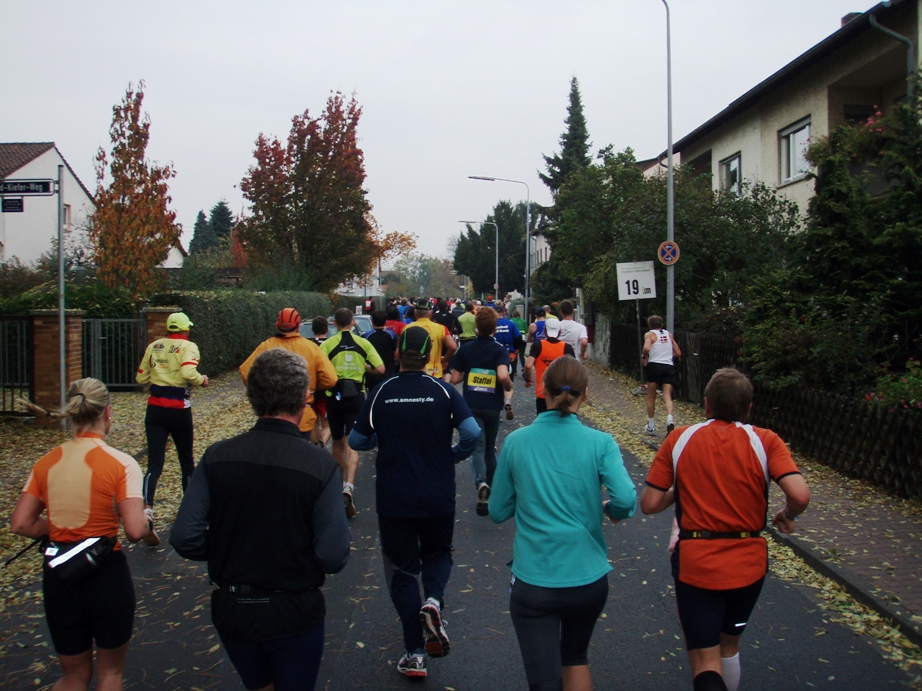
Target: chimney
[(850, 16)]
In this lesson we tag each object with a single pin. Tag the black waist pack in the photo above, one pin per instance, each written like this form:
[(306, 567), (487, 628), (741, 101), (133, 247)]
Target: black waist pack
[(348, 388), (72, 562)]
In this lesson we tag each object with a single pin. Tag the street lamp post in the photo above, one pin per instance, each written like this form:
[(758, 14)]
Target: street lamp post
[(527, 231), (670, 182), (496, 228)]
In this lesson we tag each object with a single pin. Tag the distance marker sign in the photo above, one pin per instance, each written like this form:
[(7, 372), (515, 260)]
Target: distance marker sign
[(636, 281), (668, 253)]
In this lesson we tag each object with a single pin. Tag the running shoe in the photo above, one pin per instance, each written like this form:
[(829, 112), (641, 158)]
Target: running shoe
[(349, 502), (430, 615), (413, 665), (649, 430), (151, 539), (509, 413), (669, 428), (483, 497)]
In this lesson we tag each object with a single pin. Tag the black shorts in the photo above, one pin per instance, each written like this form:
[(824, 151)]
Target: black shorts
[(658, 373), (554, 625), (100, 608), (705, 614), (342, 414)]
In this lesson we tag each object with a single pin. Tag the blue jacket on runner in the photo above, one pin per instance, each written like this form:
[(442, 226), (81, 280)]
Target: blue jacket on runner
[(549, 477)]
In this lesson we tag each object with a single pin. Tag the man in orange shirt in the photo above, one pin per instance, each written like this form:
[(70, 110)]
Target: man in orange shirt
[(319, 368), (717, 474), (542, 354)]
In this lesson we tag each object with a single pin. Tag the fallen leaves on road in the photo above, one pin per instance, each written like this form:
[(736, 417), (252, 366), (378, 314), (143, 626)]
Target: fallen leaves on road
[(219, 411)]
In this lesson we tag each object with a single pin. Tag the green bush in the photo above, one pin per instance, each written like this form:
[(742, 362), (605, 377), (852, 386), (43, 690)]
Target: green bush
[(98, 301), (900, 391), (229, 324)]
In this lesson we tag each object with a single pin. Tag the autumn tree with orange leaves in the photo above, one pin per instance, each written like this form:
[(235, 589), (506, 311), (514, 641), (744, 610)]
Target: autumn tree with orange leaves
[(308, 207), (132, 229)]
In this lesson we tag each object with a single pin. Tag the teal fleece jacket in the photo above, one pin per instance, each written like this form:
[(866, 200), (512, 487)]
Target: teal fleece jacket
[(549, 476)]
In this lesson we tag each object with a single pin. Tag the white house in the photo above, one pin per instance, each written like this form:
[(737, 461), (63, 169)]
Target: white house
[(858, 70), (28, 233)]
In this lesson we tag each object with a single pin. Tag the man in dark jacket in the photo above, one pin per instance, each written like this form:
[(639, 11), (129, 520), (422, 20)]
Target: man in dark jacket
[(264, 510), (384, 340), (415, 489)]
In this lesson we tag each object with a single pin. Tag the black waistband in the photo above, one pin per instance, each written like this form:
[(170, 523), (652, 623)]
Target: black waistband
[(248, 589), (715, 535)]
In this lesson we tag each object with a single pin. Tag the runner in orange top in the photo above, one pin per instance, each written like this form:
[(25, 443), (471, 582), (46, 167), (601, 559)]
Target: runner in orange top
[(542, 354), (87, 488), (717, 474), (319, 368)]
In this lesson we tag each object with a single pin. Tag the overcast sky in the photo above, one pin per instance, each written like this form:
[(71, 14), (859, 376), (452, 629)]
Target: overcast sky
[(448, 89)]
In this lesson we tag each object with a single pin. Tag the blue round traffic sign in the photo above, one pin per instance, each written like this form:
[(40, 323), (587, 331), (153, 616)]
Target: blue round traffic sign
[(668, 253)]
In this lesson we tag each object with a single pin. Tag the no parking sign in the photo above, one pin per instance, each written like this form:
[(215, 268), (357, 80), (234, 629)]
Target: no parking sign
[(668, 253)]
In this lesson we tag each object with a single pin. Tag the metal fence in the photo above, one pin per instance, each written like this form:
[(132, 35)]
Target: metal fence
[(112, 349), (16, 379)]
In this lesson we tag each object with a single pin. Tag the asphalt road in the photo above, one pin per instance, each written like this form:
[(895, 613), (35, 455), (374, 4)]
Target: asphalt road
[(791, 643)]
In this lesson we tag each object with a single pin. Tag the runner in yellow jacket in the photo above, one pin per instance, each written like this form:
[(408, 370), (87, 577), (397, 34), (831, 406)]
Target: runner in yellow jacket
[(170, 366)]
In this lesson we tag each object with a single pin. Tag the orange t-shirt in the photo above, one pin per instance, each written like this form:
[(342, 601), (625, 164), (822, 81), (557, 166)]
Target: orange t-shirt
[(81, 483), (720, 486), (549, 353)]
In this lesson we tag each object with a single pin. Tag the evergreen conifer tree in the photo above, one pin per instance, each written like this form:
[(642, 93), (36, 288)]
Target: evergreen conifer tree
[(221, 220), (574, 144), (203, 237)]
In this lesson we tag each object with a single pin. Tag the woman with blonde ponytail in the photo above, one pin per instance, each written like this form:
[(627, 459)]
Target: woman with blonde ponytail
[(69, 497), (550, 477)]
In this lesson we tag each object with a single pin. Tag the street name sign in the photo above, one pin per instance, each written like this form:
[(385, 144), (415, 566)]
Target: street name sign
[(27, 187), (636, 281)]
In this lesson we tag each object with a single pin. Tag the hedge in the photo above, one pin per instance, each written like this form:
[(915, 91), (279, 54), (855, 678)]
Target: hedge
[(229, 324)]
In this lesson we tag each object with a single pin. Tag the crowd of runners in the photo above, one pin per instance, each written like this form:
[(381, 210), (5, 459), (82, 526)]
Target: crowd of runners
[(268, 509)]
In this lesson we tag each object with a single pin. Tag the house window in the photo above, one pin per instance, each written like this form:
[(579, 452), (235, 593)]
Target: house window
[(794, 141), (730, 177), (701, 165), (66, 218)]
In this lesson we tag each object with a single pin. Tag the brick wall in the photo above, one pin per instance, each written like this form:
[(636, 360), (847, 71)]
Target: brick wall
[(46, 368), (156, 322)]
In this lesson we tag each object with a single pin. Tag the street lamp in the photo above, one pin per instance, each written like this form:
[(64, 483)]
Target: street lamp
[(670, 183), (527, 230), (496, 227)]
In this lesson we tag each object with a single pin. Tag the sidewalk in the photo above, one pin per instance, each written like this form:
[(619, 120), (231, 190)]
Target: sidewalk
[(863, 538)]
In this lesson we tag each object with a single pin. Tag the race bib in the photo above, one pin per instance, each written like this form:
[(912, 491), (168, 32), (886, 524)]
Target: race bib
[(481, 380)]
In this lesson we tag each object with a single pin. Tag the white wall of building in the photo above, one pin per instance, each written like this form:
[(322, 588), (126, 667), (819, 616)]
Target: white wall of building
[(868, 70), (542, 251), (173, 259), (28, 234)]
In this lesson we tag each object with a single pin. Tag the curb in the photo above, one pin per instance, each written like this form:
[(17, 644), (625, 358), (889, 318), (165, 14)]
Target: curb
[(899, 618)]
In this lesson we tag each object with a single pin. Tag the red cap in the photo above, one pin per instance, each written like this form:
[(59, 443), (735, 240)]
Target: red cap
[(288, 320)]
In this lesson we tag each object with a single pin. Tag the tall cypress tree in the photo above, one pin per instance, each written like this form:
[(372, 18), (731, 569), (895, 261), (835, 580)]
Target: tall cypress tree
[(221, 220), (203, 237), (574, 144)]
